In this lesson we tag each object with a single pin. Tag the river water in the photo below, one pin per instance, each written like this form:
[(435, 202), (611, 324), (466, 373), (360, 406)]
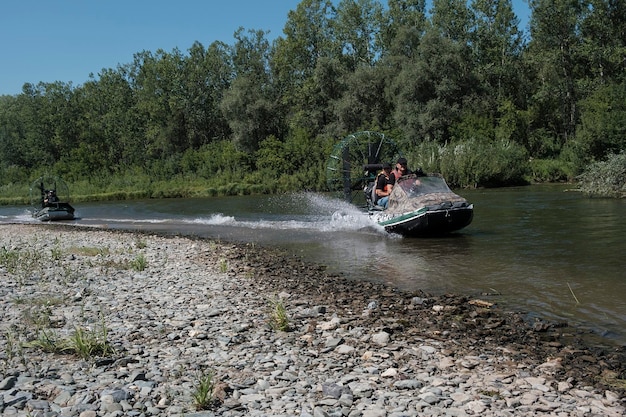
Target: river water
[(543, 249)]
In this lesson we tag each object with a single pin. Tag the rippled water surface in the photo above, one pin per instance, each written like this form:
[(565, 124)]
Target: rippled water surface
[(543, 249)]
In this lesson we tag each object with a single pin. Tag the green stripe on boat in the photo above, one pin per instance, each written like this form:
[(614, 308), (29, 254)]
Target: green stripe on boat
[(404, 217)]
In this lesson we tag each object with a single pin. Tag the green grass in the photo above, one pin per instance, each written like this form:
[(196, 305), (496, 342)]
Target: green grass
[(9, 258), (87, 344), (203, 391), (139, 263), (88, 250), (278, 317), (223, 266), (12, 346), (83, 342)]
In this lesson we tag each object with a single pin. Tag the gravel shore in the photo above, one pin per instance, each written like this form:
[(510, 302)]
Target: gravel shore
[(166, 313)]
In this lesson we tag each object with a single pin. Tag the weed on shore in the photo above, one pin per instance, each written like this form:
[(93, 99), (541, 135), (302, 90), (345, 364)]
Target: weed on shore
[(82, 342)]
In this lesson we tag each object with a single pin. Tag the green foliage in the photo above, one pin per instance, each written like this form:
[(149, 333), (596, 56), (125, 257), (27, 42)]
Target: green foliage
[(83, 342), (602, 127), (473, 162), (139, 263), (278, 317), (140, 243), (12, 347), (223, 266), (9, 259), (87, 344), (270, 156), (203, 391), (543, 144), (20, 261), (257, 116), (605, 178), (550, 170)]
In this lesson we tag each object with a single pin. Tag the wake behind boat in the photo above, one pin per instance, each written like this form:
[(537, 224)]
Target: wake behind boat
[(421, 206), (49, 198)]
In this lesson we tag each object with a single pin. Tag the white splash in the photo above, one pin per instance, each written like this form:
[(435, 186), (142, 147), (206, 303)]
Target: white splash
[(215, 219)]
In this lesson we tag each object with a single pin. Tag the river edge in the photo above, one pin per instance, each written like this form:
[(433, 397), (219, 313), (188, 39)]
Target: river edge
[(359, 348)]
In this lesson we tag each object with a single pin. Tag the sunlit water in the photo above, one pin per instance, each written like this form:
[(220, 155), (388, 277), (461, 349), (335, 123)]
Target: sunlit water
[(543, 249)]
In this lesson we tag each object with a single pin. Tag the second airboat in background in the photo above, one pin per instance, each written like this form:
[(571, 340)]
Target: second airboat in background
[(49, 199)]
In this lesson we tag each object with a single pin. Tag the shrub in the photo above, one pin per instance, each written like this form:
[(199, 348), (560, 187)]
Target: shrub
[(605, 178), (473, 162), (550, 170)]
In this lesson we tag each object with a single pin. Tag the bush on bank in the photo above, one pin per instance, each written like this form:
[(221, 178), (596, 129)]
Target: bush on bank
[(605, 178), (474, 163)]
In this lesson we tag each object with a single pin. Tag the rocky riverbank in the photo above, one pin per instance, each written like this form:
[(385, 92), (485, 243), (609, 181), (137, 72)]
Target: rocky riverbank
[(168, 313)]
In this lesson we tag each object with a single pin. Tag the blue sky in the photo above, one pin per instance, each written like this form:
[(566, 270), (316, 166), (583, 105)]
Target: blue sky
[(66, 40)]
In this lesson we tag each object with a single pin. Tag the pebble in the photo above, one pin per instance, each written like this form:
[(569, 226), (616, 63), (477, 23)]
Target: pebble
[(184, 316)]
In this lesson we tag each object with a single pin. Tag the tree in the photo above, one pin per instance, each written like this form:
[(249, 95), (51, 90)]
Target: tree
[(604, 40), (156, 81), (11, 128), (496, 47), (315, 112), (452, 19), (363, 105), (109, 133), (554, 52), (405, 24), (430, 90), (250, 105), (33, 127), (309, 36), (602, 130), (357, 28), (306, 65), (207, 75)]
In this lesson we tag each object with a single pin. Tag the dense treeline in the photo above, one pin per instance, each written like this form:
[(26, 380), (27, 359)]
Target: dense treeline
[(460, 88)]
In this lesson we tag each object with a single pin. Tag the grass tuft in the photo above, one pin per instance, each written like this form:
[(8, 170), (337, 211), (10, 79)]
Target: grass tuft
[(88, 250), (139, 263), (83, 342), (278, 318), (203, 391), (223, 265)]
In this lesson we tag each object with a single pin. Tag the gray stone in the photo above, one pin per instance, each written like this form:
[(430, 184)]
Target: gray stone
[(8, 383), (381, 338), (183, 318), (408, 384)]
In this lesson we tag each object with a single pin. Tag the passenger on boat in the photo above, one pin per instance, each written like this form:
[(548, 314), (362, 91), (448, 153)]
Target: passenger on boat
[(51, 197), (384, 183)]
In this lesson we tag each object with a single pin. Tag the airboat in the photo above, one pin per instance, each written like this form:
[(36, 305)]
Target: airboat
[(419, 204), (49, 199)]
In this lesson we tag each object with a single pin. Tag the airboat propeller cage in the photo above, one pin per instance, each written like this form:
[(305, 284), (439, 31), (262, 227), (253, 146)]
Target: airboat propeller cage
[(355, 161)]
